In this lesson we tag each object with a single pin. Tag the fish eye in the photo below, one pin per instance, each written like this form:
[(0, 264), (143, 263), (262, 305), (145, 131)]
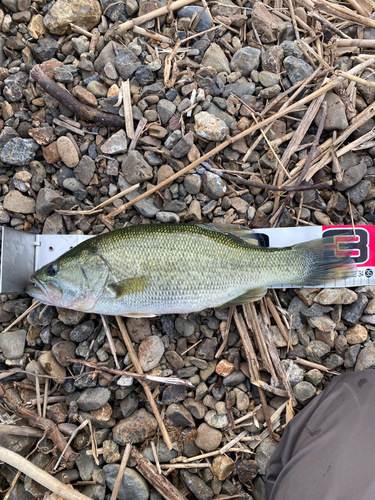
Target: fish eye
[(52, 270)]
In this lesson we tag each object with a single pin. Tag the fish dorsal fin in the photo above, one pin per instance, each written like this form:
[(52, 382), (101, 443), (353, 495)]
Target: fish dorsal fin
[(243, 233), (126, 287), (249, 296)]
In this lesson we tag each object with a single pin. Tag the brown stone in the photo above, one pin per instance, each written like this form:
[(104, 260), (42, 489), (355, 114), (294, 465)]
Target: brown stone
[(268, 26), (42, 135), (103, 414), (156, 130), (7, 110), (51, 154), (36, 27), (85, 96), (326, 337), (356, 334), (48, 66), (224, 368), (84, 13), (222, 467)]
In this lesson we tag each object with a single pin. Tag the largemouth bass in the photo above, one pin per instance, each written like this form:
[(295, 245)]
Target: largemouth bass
[(151, 270)]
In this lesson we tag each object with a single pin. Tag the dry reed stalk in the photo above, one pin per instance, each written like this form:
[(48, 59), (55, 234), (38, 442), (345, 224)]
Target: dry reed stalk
[(151, 34), (356, 42), (146, 388), (128, 112), (226, 332), (251, 318), (318, 366), (277, 318), (17, 430), (158, 481), (269, 388), (276, 360), (252, 363), (344, 13)]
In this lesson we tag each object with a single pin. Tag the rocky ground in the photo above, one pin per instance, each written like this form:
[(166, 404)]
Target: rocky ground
[(235, 65)]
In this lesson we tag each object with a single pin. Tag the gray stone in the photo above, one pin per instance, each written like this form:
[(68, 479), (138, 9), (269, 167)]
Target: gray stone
[(351, 176), (164, 454), (293, 371), (199, 489), (228, 119), (316, 350), (14, 85), (208, 438), (352, 313), (209, 127), (336, 116), (213, 185), (129, 404), (366, 358), (133, 485), (47, 201), (150, 352), (268, 79), (235, 378), (359, 192), (216, 420), (193, 183), (85, 170), (93, 399), (86, 465), (245, 60), (297, 69), (216, 58), (12, 344), (188, 11), (107, 54), (126, 63), (179, 415), (166, 110), (136, 169), (173, 394), (19, 151), (167, 217), (290, 49), (116, 144), (146, 207), (182, 148), (264, 453), (304, 392)]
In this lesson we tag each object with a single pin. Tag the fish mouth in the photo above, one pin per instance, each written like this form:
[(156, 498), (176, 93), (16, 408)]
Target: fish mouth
[(39, 291)]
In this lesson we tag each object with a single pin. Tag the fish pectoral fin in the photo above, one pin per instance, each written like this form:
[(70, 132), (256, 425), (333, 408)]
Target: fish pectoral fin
[(243, 233), (249, 296), (126, 287), (139, 315)]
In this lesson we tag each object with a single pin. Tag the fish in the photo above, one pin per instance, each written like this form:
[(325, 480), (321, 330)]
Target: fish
[(155, 269)]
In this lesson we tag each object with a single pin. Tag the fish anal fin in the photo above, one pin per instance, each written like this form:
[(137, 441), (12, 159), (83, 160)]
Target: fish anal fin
[(249, 296), (128, 286), (139, 315), (243, 233)]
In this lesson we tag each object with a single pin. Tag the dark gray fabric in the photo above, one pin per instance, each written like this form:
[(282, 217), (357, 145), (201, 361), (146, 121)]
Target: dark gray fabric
[(327, 451)]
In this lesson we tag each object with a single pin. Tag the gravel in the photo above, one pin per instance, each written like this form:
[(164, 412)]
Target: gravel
[(53, 160)]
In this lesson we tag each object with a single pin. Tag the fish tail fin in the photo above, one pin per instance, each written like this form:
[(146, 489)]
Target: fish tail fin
[(326, 260)]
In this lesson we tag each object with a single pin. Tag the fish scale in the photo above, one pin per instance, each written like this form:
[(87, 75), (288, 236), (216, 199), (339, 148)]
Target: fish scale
[(159, 269)]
